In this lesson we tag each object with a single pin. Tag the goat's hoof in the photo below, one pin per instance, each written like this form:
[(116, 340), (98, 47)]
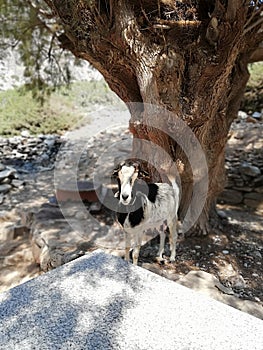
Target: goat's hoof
[(160, 260)]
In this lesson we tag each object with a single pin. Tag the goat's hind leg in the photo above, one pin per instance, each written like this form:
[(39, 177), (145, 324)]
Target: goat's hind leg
[(161, 246), (173, 239)]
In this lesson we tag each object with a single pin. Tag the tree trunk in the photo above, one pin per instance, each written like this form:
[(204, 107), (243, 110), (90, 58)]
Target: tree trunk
[(188, 60)]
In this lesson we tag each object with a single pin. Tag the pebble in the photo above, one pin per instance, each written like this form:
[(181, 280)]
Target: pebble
[(257, 115), (6, 173), (25, 133), (5, 188), (17, 183), (225, 252), (81, 216), (242, 115), (249, 169), (222, 214)]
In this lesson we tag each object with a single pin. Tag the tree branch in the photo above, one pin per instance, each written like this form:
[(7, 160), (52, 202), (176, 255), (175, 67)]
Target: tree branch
[(253, 25), (257, 55), (256, 13), (232, 10)]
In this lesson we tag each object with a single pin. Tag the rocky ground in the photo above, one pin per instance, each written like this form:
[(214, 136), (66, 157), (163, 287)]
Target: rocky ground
[(226, 264)]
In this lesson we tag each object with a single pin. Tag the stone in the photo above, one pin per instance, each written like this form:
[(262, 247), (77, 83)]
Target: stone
[(17, 183), (239, 135), (21, 231), (25, 133), (5, 188), (257, 115), (7, 231), (49, 142), (222, 214), (259, 189), (251, 120), (2, 167), (242, 115), (243, 188), (101, 302), (237, 281), (249, 169), (14, 140), (253, 204), (7, 180), (231, 196), (254, 195), (208, 284), (6, 173)]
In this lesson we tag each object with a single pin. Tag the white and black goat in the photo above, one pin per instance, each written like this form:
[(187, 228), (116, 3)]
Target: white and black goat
[(144, 206)]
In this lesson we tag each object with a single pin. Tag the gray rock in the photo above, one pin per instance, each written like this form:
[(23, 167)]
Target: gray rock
[(49, 142), (14, 140), (17, 183), (2, 167), (253, 203), (258, 181), (5, 188), (254, 195), (249, 169), (7, 180), (6, 173), (242, 115), (237, 281), (25, 133), (257, 115), (259, 189), (231, 196), (222, 214)]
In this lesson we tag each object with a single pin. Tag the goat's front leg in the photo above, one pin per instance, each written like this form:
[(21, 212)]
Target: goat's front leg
[(127, 246), (137, 247)]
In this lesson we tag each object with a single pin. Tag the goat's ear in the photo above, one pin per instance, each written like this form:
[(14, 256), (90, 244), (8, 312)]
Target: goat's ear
[(115, 172), (117, 195), (144, 174), (136, 166)]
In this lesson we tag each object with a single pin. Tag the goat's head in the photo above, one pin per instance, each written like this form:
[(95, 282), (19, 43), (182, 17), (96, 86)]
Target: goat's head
[(127, 173)]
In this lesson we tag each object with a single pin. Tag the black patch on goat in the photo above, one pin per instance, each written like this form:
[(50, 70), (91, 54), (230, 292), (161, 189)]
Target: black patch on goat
[(135, 217), (153, 192), (122, 217)]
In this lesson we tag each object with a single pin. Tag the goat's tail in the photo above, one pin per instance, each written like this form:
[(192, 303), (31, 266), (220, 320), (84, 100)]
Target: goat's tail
[(175, 183), (171, 174)]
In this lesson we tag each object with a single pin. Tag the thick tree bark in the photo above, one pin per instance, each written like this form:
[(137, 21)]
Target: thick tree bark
[(188, 57)]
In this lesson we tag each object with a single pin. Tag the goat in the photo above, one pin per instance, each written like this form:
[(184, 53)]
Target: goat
[(144, 206)]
